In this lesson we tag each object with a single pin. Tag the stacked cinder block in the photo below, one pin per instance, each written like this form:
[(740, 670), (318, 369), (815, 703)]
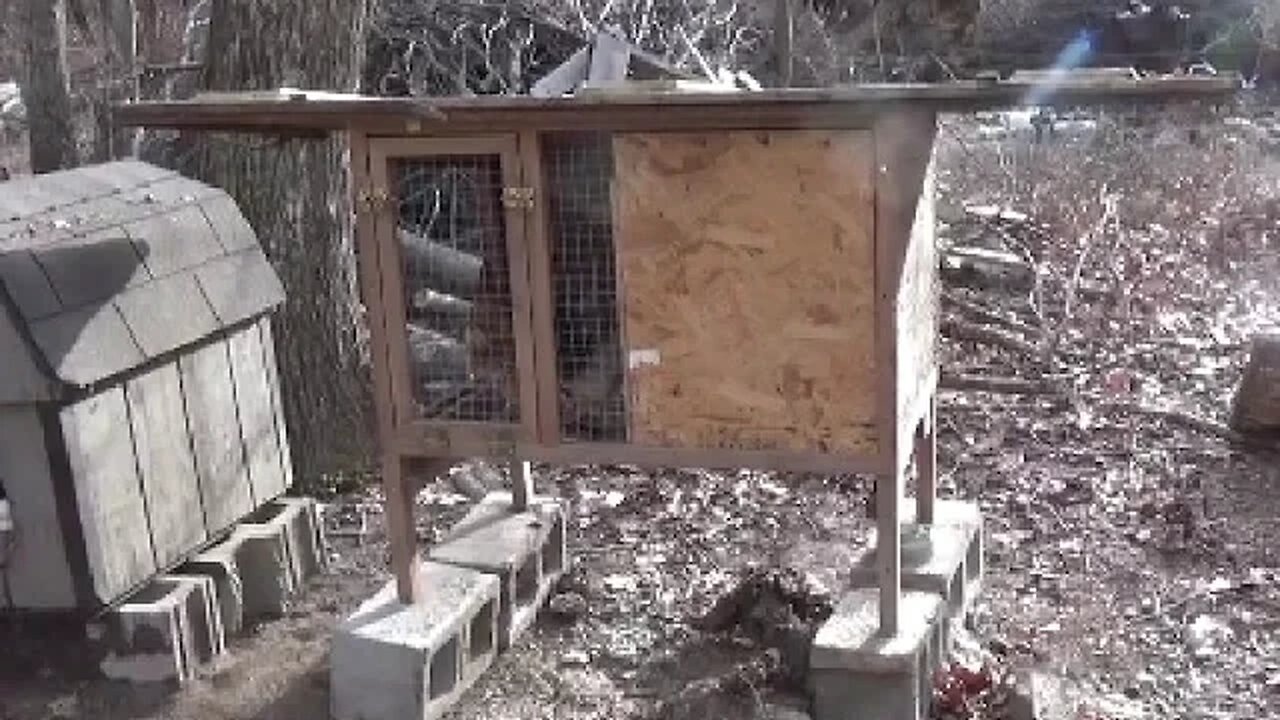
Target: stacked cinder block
[(479, 590), (855, 674), (395, 661), (180, 620)]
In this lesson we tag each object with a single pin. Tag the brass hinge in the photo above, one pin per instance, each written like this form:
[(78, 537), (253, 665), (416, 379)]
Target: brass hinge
[(518, 198), (372, 200)]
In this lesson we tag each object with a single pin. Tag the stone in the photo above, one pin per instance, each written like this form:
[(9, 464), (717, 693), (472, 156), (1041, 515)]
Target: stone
[(392, 661), (149, 637), (855, 674), (526, 550)]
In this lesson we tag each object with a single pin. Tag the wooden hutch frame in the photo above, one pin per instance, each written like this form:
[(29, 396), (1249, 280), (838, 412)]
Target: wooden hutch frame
[(900, 125)]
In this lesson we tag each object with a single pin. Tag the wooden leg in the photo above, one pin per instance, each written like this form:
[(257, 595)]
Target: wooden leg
[(521, 485), (889, 549), (400, 527), (926, 450)]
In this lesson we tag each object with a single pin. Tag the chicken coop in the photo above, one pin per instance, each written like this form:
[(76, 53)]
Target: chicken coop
[(139, 399), (657, 278)]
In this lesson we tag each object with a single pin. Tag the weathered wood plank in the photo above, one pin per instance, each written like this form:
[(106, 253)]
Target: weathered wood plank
[(277, 399), (218, 444), (162, 445), (37, 574), (113, 515), (257, 428)]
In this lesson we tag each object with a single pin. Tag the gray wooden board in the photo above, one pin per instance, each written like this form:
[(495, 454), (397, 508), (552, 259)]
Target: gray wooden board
[(163, 448), (240, 286), (92, 268), (277, 399), (175, 241), (167, 314), (229, 225), (113, 517), (87, 345), (28, 286), (215, 434), (253, 397), (22, 380), (37, 572)]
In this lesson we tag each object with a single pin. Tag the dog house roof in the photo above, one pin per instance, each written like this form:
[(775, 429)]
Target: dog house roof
[(109, 267)]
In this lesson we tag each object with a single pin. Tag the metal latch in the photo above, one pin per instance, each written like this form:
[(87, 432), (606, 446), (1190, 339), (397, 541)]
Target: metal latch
[(372, 201), (518, 198)]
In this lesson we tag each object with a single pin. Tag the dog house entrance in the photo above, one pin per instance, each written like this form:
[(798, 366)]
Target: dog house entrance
[(454, 213)]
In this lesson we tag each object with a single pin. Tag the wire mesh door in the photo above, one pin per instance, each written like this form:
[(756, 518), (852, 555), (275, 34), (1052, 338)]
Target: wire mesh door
[(455, 280)]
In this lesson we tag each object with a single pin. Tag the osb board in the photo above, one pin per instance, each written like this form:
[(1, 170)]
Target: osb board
[(747, 275), (917, 309)]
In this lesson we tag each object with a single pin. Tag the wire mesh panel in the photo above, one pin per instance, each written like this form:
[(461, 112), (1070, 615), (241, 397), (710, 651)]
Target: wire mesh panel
[(452, 234), (589, 348)]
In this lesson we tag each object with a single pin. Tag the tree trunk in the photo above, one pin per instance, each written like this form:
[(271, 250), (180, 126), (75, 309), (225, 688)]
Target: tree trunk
[(295, 193), (47, 93)]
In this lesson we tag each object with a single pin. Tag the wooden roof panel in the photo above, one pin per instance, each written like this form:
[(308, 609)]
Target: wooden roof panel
[(103, 266), (289, 111)]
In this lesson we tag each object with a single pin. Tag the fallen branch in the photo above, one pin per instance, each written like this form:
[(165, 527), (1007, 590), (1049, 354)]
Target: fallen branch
[(959, 330), (1186, 420), (989, 316), (998, 385)]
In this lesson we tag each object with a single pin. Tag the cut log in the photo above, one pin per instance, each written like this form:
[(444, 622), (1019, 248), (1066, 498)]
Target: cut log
[(1256, 410), (441, 312), (435, 266), (436, 357)]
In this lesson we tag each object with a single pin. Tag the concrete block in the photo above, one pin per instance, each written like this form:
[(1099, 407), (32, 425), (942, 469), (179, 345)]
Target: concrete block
[(219, 564), (391, 661), (941, 570), (855, 674), (266, 576), (300, 520), (967, 516), (526, 550), (149, 637), (207, 635)]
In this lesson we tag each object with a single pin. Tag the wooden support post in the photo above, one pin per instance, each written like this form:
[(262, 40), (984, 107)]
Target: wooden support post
[(521, 485), (889, 549), (401, 532), (926, 450)]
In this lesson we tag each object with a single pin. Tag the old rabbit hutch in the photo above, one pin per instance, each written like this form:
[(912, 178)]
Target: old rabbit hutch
[(739, 279)]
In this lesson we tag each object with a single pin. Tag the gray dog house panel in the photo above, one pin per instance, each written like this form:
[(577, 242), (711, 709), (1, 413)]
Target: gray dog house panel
[(139, 403)]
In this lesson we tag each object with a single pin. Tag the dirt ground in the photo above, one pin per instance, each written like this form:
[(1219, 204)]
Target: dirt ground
[(1133, 549)]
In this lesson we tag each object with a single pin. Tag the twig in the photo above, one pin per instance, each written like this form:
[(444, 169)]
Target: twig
[(958, 330), (990, 316), (998, 385)]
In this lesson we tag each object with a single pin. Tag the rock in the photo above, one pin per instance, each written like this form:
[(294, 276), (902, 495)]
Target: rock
[(1256, 409), (567, 606), (773, 711), (1205, 635), (575, 658), (1038, 695)]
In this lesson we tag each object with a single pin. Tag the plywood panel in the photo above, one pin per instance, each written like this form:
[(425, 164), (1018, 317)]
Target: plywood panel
[(108, 494), (162, 445), (37, 575), (257, 424), (747, 263), (215, 432)]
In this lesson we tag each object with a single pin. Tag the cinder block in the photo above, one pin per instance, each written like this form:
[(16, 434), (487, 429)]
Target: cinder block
[(391, 661), (940, 571), (149, 637), (207, 635), (967, 517), (266, 577), (305, 533), (526, 550), (219, 564), (854, 674)]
